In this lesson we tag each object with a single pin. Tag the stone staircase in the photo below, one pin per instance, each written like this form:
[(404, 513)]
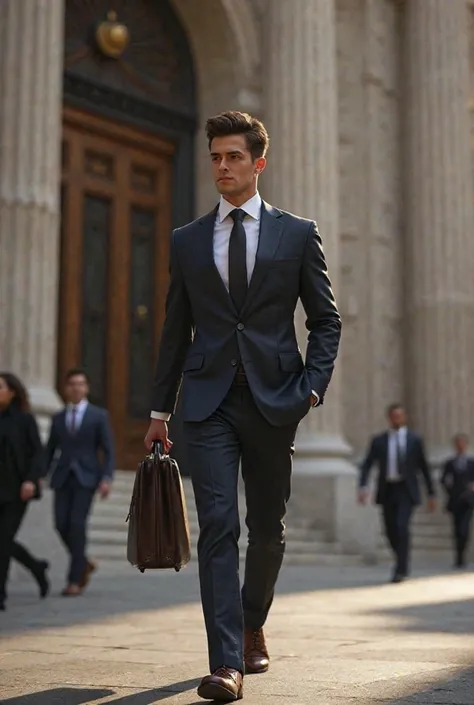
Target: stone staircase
[(431, 533), (108, 531)]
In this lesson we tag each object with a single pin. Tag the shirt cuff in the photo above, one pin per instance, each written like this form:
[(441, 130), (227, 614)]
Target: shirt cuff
[(316, 398), (160, 415)]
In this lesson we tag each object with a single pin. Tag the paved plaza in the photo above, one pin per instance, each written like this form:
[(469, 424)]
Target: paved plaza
[(338, 636)]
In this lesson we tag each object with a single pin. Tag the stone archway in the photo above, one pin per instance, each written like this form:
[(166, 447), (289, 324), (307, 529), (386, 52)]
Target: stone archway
[(224, 39)]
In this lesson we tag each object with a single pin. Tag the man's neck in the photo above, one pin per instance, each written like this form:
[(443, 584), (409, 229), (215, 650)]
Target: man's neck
[(239, 200)]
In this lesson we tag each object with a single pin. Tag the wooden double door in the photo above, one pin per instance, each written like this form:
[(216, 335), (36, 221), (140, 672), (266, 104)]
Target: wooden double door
[(116, 227)]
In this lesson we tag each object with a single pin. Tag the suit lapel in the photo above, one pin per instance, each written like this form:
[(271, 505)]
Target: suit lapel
[(207, 223), (85, 419), (271, 229), (63, 421)]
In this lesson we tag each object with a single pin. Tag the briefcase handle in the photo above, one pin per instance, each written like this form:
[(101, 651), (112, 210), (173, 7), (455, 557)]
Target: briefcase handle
[(158, 450)]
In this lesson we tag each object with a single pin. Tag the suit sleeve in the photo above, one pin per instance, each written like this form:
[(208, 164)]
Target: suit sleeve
[(446, 477), (176, 338), (367, 463), (425, 469), (35, 452), (108, 446), (323, 320)]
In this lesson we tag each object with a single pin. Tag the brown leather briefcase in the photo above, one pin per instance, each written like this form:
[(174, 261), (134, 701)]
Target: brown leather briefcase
[(158, 529)]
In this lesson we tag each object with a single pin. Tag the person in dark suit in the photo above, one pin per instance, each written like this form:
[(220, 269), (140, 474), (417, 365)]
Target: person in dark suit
[(21, 467), (79, 433), (458, 481), (236, 276), (399, 454)]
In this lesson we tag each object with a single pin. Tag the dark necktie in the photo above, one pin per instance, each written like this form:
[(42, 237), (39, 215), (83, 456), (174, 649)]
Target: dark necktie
[(400, 457), (73, 419), (238, 259)]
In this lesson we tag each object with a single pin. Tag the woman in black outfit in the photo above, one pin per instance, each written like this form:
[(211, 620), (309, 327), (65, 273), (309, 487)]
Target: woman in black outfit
[(21, 467)]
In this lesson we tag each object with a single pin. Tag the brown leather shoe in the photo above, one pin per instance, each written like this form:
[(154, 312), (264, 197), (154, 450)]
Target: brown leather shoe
[(224, 685), (255, 651), (91, 566), (71, 590)]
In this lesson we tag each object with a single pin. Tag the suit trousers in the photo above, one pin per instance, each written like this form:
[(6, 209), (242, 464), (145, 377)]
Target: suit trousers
[(72, 503), (397, 511), (235, 434), (11, 516), (462, 517)]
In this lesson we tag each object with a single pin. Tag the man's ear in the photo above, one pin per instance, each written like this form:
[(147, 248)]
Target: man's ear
[(260, 165)]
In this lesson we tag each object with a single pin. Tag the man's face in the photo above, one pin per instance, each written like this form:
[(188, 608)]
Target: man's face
[(461, 444), (77, 389), (397, 418), (233, 168)]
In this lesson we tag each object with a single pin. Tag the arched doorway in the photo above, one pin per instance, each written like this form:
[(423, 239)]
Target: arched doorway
[(127, 179)]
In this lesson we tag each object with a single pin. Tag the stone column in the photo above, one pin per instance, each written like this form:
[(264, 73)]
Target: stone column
[(440, 228), (31, 55), (302, 177)]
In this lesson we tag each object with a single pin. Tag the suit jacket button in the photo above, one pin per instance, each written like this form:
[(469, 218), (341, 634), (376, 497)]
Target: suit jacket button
[(234, 362), (240, 326)]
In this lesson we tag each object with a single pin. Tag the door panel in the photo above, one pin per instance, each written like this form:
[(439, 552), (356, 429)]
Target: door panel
[(116, 219)]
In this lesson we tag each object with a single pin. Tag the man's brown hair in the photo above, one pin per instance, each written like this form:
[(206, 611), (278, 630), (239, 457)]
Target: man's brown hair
[(234, 122)]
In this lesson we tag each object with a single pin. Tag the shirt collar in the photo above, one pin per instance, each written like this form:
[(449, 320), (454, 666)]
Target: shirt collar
[(79, 407), (396, 431), (251, 207)]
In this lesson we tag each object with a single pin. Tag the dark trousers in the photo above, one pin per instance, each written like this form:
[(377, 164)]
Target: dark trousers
[(462, 517), (235, 433), (72, 503), (25, 558), (11, 516), (397, 510)]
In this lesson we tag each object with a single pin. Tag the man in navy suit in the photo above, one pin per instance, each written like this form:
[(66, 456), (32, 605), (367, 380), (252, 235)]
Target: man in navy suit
[(458, 481), (78, 433), (237, 274), (399, 454)]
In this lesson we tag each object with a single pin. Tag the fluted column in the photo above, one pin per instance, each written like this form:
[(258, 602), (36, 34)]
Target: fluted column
[(302, 174), (440, 227), (31, 41)]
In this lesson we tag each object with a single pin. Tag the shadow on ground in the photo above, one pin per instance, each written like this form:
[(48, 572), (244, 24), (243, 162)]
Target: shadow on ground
[(84, 696), (129, 591), (456, 690), (451, 617)]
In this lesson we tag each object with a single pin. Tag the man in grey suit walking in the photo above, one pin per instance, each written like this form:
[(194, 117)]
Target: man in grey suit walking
[(236, 277), (79, 433)]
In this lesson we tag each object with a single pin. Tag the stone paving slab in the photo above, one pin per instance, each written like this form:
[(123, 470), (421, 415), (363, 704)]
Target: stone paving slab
[(338, 636)]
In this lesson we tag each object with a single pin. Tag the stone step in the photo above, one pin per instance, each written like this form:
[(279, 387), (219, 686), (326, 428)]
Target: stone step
[(106, 538), (112, 554), (116, 522)]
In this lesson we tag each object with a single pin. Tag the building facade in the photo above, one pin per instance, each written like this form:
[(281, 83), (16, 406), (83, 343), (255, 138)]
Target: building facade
[(368, 105)]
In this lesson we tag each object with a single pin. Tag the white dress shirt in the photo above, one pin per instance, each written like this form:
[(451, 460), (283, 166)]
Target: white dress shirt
[(222, 230), (80, 411), (397, 439)]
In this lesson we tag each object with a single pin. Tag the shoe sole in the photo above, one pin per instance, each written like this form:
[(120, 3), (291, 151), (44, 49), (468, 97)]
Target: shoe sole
[(264, 669), (213, 691)]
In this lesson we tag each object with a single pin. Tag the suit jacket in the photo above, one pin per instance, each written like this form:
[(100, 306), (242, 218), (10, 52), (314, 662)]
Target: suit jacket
[(79, 452), (21, 453), (415, 460), (456, 482), (204, 337)]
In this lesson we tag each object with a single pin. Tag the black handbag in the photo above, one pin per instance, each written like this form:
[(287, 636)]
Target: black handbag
[(158, 528)]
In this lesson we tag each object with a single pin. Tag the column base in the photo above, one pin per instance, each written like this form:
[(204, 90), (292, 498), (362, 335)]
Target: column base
[(322, 454), (45, 401), (324, 493)]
